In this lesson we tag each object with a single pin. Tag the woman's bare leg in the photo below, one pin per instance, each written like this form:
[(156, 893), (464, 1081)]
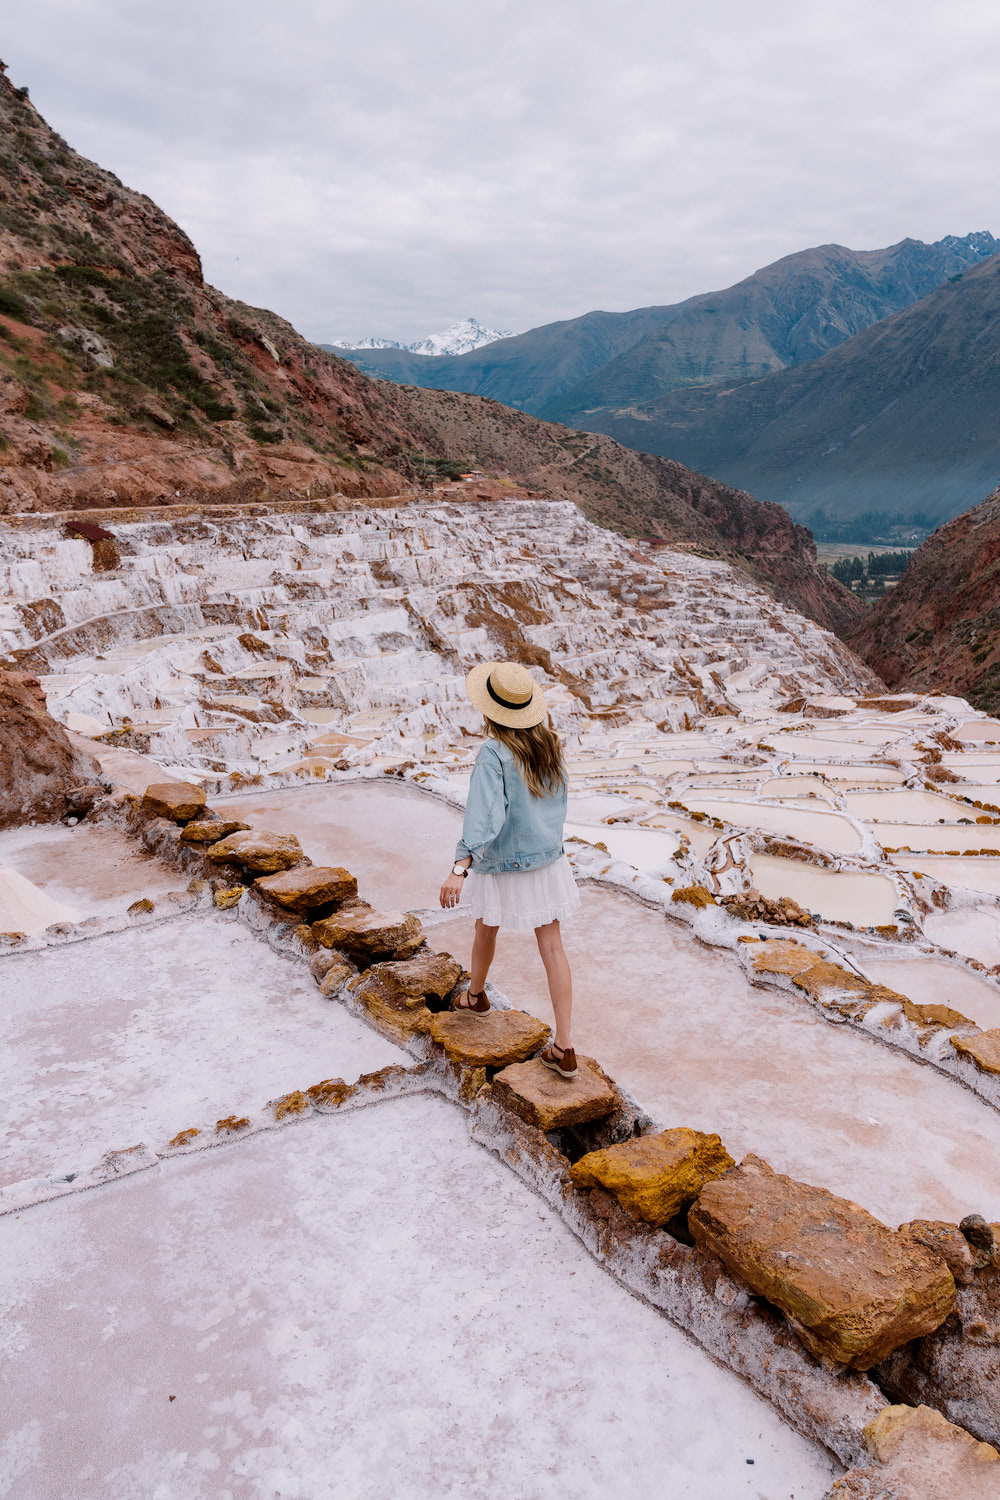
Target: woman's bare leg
[(484, 946), (557, 972)]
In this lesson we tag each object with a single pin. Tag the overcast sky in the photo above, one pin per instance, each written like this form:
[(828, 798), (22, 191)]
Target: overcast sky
[(374, 166)]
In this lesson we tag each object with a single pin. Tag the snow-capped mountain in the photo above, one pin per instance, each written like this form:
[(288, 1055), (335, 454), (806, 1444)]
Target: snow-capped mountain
[(460, 338)]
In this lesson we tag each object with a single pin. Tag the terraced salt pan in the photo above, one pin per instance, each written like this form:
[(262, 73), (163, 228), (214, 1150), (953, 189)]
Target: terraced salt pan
[(934, 981), (137, 1035), (812, 747), (967, 873), (681, 1027), (974, 933), (797, 786), (701, 836), (973, 765), (903, 805), (361, 1305), (87, 871), (399, 843), (828, 830), (978, 732), (936, 839), (886, 776), (983, 791), (648, 850), (855, 896)]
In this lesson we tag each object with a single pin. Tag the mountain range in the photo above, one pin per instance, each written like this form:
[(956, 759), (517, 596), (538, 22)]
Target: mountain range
[(458, 338), (126, 380), (712, 381)]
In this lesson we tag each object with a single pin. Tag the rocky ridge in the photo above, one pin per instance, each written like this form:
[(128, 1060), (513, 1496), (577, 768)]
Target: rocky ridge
[(901, 417), (787, 313)]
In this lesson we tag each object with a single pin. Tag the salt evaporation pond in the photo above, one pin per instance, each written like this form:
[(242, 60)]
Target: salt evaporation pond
[(938, 839), (884, 776), (701, 836), (648, 850), (683, 1029), (966, 872), (933, 981), (137, 1035), (855, 896), (828, 830), (797, 786), (87, 871), (975, 933), (904, 805), (975, 767), (398, 842), (310, 1295)]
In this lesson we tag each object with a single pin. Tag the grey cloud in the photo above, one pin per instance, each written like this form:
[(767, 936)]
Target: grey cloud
[(368, 166)]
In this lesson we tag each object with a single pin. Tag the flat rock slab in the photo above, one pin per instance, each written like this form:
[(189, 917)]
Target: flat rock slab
[(852, 1289), (262, 853), (779, 957), (544, 1099), (211, 830), (492, 1041), (934, 1015), (370, 934), (984, 1049), (656, 1176), (825, 978), (427, 973), (179, 800), (307, 887)]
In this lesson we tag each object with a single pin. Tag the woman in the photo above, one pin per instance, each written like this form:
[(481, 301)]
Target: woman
[(510, 869)]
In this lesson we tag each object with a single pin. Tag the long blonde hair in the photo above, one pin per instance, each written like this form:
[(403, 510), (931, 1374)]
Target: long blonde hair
[(539, 755)]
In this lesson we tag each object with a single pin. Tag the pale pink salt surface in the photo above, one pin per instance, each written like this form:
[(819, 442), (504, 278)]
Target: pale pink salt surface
[(679, 1025), (399, 843), (364, 1306), (137, 1035), (91, 870), (933, 981), (974, 932)]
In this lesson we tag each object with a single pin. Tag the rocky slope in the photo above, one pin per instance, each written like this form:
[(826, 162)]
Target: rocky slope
[(902, 417), (785, 314), (40, 770), (125, 380), (940, 627)]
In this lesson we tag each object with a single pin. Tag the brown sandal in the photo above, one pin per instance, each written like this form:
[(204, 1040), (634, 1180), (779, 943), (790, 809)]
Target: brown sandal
[(476, 1005), (564, 1064)]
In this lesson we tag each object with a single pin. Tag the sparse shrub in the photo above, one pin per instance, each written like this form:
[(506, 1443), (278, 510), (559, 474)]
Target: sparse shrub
[(13, 306)]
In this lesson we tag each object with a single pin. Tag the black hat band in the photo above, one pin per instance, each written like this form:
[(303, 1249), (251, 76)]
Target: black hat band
[(504, 702)]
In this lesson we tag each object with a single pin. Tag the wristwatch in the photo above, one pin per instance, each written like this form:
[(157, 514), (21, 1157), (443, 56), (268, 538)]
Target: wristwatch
[(458, 869)]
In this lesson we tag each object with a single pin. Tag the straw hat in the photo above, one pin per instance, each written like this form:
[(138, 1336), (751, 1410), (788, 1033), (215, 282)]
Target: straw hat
[(506, 693)]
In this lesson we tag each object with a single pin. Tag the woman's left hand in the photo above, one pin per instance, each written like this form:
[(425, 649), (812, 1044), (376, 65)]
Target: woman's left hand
[(451, 891)]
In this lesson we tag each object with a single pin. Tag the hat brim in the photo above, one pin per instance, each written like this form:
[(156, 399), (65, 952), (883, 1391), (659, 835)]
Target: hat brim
[(512, 718)]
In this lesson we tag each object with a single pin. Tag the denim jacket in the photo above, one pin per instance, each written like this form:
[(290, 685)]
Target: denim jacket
[(505, 827)]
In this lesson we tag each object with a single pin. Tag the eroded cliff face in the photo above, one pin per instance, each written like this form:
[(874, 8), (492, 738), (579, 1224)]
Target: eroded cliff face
[(39, 767), (126, 381), (940, 627)]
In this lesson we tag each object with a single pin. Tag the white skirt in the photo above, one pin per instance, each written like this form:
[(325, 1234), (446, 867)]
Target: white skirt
[(522, 899)]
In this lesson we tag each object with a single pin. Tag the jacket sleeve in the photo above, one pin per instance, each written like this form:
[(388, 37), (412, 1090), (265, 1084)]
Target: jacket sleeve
[(486, 808)]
